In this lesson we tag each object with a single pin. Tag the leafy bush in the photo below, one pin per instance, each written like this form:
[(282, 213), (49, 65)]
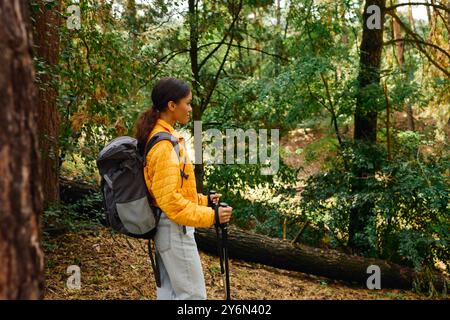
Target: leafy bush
[(260, 202), (84, 213), (409, 194)]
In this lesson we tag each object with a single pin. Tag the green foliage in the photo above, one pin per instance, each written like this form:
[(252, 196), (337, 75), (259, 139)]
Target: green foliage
[(271, 196), (410, 194), (103, 72), (84, 213)]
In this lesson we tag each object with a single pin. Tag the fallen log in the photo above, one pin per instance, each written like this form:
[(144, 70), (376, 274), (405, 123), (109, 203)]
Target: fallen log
[(71, 191), (251, 247)]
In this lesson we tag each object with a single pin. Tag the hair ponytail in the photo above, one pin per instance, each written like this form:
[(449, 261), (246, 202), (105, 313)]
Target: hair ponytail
[(145, 124)]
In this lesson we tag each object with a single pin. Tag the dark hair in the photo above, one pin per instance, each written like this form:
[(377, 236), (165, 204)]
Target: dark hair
[(165, 90)]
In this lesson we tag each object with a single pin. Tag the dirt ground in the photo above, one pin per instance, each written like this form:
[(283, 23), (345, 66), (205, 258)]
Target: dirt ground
[(117, 267)]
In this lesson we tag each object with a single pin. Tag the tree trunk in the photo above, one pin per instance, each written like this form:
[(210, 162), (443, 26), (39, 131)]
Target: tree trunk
[(411, 19), (369, 74), (46, 48), (366, 117), (409, 110), (448, 19), (428, 11), (401, 62), (197, 106), (21, 257), (328, 263)]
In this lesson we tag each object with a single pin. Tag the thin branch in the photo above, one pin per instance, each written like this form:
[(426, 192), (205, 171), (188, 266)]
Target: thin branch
[(149, 31), (216, 78), (318, 98), (444, 20), (437, 6), (420, 42), (248, 48), (230, 30), (331, 109), (174, 54), (219, 44), (419, 47), (88, 51)]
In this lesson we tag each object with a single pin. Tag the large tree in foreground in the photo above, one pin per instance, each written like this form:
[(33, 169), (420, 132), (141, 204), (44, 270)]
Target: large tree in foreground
[(21, 257)]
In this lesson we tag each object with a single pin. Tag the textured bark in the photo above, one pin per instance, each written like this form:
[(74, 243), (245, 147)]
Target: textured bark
[(21, 257), (369, 74), (366, 117), (46, 48), (409, 110), (399, 44), (401, 62)]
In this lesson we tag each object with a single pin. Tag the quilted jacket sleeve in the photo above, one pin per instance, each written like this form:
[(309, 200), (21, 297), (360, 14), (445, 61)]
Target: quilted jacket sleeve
[(165, 188), (202, 199)]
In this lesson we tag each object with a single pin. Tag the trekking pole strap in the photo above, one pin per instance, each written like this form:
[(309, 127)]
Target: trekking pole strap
[(219, 243), (225, 259), (155, 264)]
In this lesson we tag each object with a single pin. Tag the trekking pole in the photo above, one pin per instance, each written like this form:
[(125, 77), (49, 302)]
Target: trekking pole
[(225, 254), (222, 246)]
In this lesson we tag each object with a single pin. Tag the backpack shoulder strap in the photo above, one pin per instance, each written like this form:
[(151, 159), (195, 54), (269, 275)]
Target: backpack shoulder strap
[(160, 136)]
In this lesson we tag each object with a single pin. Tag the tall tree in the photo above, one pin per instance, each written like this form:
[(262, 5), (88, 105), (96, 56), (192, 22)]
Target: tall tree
[(46, 45), (21, 257), (400, 48), (203, 87), (366, 114)]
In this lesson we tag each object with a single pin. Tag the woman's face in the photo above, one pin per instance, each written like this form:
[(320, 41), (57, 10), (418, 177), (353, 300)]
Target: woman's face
[(182, 109)]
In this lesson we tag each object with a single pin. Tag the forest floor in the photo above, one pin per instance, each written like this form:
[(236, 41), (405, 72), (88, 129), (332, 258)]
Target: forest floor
[(117, 267)]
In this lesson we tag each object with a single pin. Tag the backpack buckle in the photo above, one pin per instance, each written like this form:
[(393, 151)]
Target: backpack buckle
[(184, 175)]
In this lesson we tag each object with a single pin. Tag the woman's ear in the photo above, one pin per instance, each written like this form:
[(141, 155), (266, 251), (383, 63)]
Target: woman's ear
[(171, 105)]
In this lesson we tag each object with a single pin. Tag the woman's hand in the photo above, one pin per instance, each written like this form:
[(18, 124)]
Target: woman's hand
[(225, 214), (215, 198)]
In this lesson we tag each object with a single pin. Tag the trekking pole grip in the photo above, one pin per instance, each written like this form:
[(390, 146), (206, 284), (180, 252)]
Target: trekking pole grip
[(210, 202), (215, 207)]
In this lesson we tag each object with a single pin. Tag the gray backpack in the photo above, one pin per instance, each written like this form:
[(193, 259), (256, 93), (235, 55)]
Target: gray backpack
[(127, 201)]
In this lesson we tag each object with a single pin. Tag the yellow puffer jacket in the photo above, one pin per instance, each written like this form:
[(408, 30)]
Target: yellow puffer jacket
[(178, 199)]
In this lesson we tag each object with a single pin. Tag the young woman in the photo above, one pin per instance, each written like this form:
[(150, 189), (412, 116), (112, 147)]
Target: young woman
[(182, 208)]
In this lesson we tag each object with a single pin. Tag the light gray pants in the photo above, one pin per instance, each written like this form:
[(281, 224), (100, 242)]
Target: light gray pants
[(179, 263)]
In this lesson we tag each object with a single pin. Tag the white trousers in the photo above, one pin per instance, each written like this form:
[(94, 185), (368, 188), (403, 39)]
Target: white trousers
[(179, 263)]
